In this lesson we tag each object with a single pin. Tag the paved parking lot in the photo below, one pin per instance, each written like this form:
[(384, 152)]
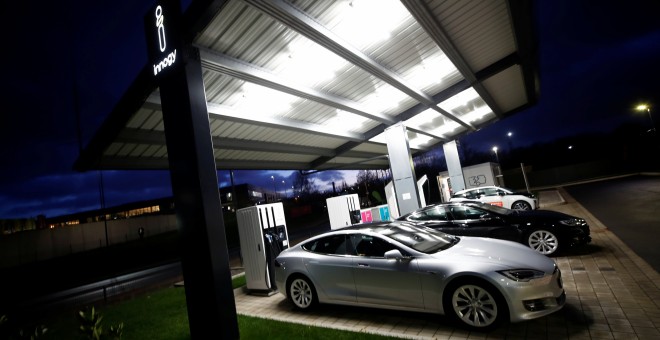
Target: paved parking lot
[(611, 294)]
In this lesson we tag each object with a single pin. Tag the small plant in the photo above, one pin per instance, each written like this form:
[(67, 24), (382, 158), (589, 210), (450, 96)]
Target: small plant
[(90, 324), (116, 331), (92, 327), (36, 334)]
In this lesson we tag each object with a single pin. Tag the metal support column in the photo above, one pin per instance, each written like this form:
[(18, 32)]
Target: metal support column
[(454, 166), (403, 171), (204, 255)]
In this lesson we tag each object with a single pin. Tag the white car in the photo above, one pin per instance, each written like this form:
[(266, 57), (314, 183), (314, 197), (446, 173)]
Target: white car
[(498, 196)]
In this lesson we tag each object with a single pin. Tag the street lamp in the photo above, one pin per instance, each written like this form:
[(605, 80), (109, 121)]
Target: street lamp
[(647, 108), (284, 186), (274, 187), (496, 156)]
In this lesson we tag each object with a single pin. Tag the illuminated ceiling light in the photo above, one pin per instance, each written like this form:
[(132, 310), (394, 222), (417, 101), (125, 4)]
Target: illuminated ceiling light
[(460, 100), (446, 128), (431, 71), (419, 141), (345, 121), (384, 98), (307, 63), (366, 22), (477, 114), (423, 120), (261, 101)]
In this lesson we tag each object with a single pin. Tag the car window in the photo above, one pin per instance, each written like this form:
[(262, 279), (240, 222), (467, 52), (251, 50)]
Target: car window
[(472, 194), (462, 212), (490, 192), (366, 245), (494, 209), (333, 245), (431, 214)]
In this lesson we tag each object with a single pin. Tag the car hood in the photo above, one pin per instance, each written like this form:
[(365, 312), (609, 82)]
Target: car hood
[(500, 253), (522, 193), (541, 214)]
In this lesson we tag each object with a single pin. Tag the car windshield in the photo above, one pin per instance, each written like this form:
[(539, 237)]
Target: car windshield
[(425, 240)]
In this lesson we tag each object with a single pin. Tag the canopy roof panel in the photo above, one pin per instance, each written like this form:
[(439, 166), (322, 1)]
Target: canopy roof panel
[(312, 85)]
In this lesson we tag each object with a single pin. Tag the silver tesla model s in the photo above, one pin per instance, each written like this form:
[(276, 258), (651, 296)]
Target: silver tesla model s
[(480, 282)]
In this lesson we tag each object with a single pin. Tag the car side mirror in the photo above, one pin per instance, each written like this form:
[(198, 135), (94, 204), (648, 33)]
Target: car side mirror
[(395, 254)]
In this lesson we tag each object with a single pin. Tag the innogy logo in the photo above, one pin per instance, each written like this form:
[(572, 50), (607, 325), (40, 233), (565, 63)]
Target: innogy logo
[(162, 42)]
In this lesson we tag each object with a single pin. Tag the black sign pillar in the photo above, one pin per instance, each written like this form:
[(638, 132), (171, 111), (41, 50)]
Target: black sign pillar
[(204, 255)]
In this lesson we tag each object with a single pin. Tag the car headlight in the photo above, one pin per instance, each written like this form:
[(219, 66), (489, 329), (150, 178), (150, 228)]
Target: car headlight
[(573, 222), (522, 275)]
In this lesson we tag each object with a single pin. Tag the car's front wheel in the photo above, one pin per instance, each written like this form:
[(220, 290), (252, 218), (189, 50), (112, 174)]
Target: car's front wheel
[(521, 205), (543, 241), (476, 304), (301, 292)]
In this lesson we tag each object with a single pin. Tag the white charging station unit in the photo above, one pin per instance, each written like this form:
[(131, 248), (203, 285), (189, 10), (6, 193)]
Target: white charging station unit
[(390, 195), (343, 211), (263, 235)]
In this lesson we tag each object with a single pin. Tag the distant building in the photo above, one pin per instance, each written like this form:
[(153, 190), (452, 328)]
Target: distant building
[(240, 196)]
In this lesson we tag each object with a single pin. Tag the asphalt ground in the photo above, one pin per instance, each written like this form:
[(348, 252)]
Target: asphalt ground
[(630, 207)]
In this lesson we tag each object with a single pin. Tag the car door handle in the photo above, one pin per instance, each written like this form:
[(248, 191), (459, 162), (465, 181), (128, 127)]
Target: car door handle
[(362, 265)]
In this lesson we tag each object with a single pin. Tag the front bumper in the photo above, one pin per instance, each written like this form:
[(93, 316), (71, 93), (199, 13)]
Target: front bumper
[(538, 298), (579, 235)]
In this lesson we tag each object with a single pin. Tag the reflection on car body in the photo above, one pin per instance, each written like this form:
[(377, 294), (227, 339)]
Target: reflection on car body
[(398, 265), (544, 231)]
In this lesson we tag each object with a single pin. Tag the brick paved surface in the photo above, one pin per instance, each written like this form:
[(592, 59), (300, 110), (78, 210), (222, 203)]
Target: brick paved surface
[(611, 294)]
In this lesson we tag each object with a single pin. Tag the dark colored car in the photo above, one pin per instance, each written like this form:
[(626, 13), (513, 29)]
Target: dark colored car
[(544, 231)]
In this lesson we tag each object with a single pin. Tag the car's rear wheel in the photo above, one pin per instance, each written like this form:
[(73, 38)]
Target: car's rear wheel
[(476, 304), (301, 292), (521, 205), (543, 241)]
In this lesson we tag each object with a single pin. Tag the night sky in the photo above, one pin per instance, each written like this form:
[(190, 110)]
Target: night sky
[(598, 59)]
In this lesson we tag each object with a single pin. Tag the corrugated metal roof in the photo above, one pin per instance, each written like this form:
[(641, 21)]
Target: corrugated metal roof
[(292, 85)]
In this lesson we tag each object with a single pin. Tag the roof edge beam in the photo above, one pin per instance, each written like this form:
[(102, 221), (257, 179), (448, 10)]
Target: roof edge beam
[(227, 113)]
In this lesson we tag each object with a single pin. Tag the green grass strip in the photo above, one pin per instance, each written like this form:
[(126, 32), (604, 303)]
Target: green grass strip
[(163, 315)]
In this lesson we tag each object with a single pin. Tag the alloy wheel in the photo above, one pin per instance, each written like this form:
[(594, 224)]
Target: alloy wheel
[(521, 205), (301, 293), (474, 306), (543, 242)]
